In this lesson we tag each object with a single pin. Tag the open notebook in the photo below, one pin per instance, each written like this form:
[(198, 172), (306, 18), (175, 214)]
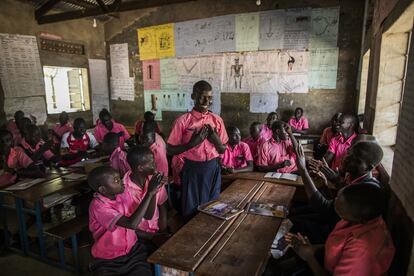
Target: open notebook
[(286, 176)]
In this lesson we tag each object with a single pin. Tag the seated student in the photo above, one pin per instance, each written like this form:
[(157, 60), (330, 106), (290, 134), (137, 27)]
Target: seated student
[(118, 157), (116, 249), (360, 243), (106, 124), (299, 123), (37, 149), (340, 144), (253, 141), (12, 125), (278, 154), (22, 126), (199, 137), (357, 167), (74, 145), (148, 117), (237, 157), (266, 131), (149, 138), (327, 135), (14, 161), (141, 161), (62, 127)]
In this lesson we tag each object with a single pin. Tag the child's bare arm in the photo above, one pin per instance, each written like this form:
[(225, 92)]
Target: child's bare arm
[(248, 168)]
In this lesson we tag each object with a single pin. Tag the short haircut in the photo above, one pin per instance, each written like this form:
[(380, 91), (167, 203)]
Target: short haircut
[(272, 113), (136, 156), (78, 121), (256, 124), (201, 86), (111, 138), (18, 113), (368, 151), (103, 113), (365, 201), (278, 125), (5, 132), (299, 108), (149, 116), (232, 129), (99, 175), (353, 118)]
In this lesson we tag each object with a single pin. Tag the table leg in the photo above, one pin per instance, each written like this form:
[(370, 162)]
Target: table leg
[(157, 268), (39, 227), (22, 226), (3, 214)]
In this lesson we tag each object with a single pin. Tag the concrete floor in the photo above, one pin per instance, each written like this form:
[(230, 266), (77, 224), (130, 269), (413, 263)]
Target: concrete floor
[(17, 265)]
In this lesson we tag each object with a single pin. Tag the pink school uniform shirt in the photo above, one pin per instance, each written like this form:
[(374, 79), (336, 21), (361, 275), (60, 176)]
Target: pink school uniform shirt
[(361, 249), (237, 157), (272, 153), (101, 131), (60, 130), (327, 136), (110, 240), (14, 130), (301, 124), (266, 133), (47, 154), (137, 193), (184, 127), (119, 162), (254, 146), (159, 149), (339, 147), (16, 160)]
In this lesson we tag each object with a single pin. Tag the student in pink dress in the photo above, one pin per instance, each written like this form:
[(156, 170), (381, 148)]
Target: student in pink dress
[(339, 145), (149, 138), (277, 154), (14, 161), (106, 124), (237, 157), (299, 123), (266, 130), (12, 125), (254, 140), (154, 224), (148, 117), (118, 157), (117, 250), (360, 243), (61, 128)]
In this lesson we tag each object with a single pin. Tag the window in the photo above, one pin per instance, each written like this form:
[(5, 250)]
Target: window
[(66, 89), (363, 83)]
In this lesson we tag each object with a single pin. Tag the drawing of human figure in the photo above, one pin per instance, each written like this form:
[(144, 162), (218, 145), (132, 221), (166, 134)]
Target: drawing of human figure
[(290, 63), (237, 72)]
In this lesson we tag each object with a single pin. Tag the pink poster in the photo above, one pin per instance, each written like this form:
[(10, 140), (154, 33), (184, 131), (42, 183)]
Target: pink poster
[(151, 74)]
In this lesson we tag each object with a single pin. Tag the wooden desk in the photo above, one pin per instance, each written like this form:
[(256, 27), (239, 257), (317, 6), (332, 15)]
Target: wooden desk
[(259, 176), (210, 246)]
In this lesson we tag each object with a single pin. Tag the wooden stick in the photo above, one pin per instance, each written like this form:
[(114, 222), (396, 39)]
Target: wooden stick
[(215, 232)]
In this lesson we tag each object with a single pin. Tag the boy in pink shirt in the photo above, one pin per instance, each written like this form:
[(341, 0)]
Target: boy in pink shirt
[(199, 136), (105, 124), (360, 243), (154, 223), (37, 149), (118, 157), (61, 128), (298, 123), (237, 157), (148, 117), (116, 248), (254, 140), (266, 130), (278, 154), (13, 125), (149, 138), (339, 145), (14, 161)]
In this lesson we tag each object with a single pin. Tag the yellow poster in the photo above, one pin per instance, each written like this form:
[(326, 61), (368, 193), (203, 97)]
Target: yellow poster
[(147, 43), (156, 42), (165, 40)]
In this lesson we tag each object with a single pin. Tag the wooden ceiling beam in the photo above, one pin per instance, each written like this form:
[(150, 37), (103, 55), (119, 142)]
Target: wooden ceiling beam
[(80, 3), (117, 6), (43, 9)]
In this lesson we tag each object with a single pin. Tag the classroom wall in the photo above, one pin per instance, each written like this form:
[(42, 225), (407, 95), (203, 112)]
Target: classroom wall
[(18, 18), (319, 105)]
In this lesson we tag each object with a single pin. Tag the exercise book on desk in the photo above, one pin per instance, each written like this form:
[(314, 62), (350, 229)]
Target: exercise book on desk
[(25, 184), (219, 209), (57, 198), (267, 209), (286, 176)]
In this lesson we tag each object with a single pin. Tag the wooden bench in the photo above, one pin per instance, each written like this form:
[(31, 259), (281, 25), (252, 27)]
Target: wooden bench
[(64, 231)]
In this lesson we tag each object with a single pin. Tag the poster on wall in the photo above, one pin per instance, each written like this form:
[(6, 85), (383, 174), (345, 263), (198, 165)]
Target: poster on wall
[(32, 106), (99, 86), (247, 32), (297, 28), (323, 68), (122, 89), (21, 72), (263, 103), (151, 74), (119, 60), (156, 42), (272, 29), (324, 30)]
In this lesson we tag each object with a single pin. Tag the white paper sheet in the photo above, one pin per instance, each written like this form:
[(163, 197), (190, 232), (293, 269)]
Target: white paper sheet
[(272, 29), (119, 60), (324, 33), (297, 28), (122, 89), (99, 86), (263, 103), (323, 68)]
